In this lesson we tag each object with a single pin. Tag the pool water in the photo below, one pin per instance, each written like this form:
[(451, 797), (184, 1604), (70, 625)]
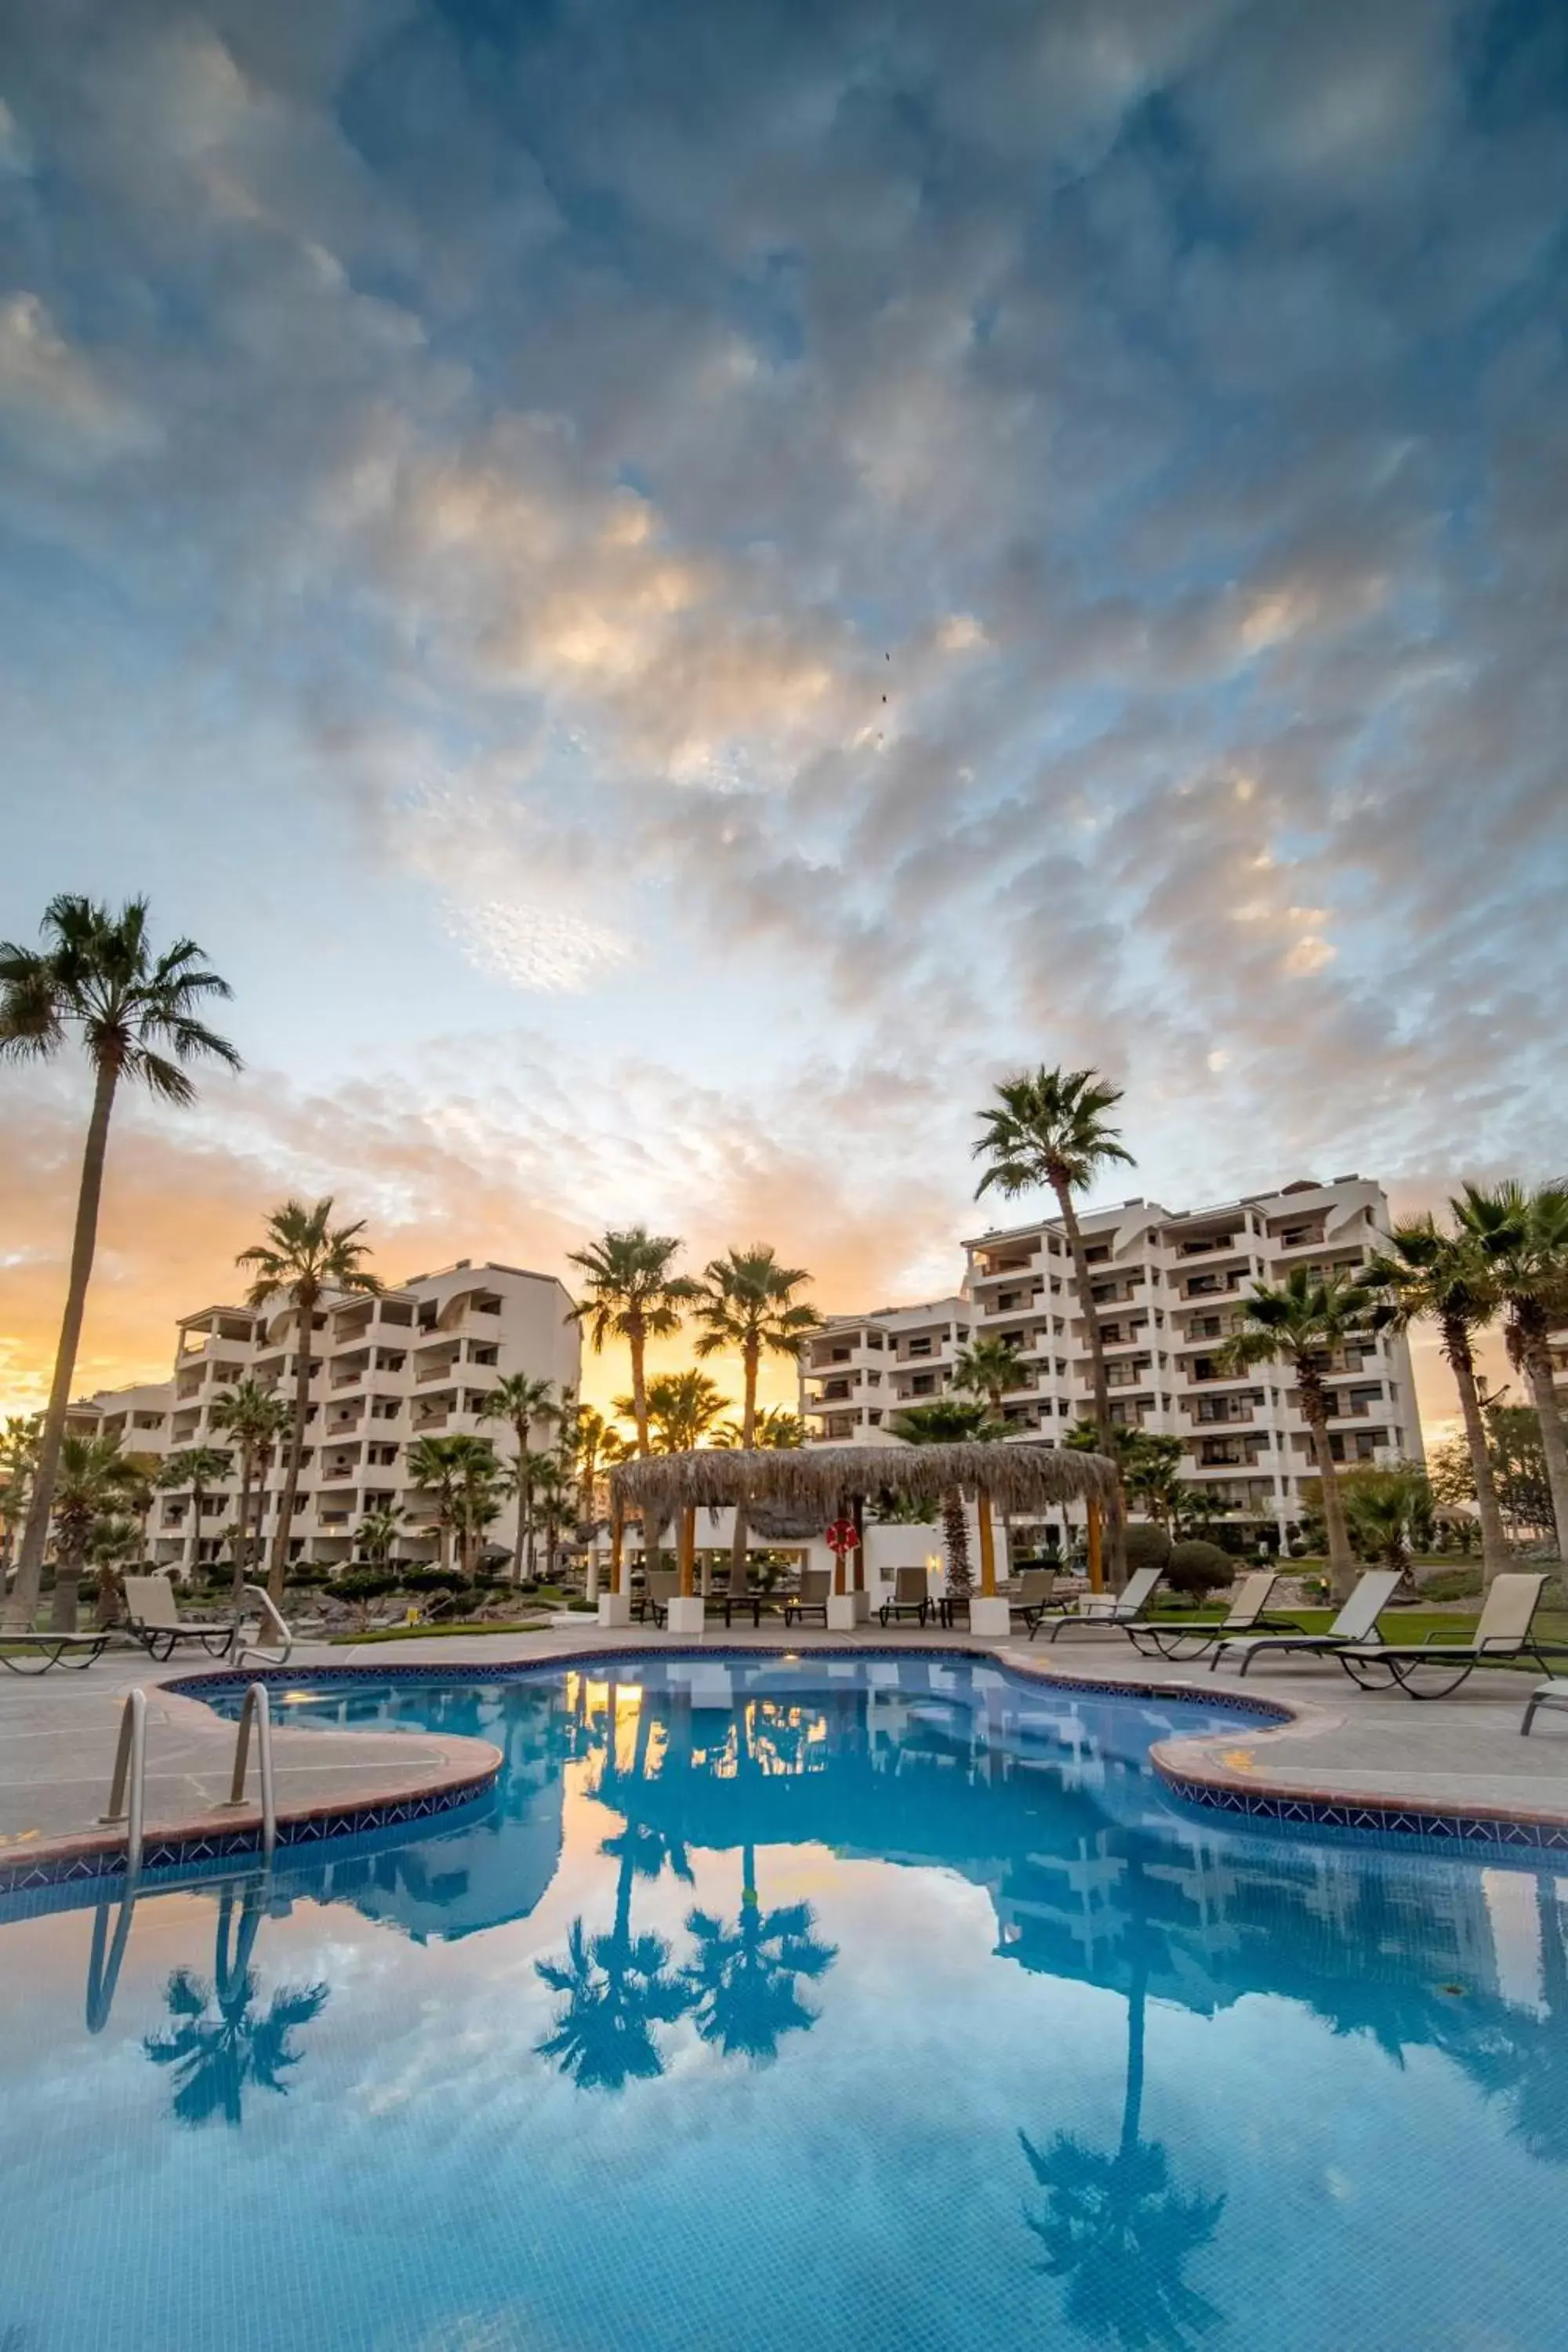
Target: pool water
[(794, 2004)]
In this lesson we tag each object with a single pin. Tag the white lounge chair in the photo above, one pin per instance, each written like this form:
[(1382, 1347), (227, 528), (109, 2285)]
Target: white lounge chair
[(1502, 1631), (811, 1598), (1356, 1622), (154, 1616), (47, 1650), (1548, 1694), (1124, 1610), (1032, 1595), (1244, 1615), (911, 1595)]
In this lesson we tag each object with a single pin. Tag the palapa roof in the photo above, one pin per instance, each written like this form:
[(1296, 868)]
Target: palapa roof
[(818, 1479)]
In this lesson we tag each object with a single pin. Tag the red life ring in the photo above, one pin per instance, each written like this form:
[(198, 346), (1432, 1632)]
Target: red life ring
[(843, 1536)]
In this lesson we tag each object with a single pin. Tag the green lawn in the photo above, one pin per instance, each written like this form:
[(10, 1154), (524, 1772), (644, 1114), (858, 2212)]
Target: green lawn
[(438, 1632), (1398, 1624)]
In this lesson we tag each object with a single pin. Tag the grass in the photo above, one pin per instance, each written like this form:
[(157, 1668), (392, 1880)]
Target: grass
[(1398, 1624), (435, 1632)]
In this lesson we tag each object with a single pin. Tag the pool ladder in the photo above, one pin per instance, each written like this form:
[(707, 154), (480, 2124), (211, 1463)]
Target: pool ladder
[(127, 1790)]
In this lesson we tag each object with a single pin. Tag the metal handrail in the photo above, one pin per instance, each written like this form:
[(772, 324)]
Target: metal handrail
[(256, 1709), (270, 1611), (130, 1774)]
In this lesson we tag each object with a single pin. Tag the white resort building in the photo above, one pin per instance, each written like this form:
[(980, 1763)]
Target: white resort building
[(1166, 1284), (416, 1361), (858, 1369)]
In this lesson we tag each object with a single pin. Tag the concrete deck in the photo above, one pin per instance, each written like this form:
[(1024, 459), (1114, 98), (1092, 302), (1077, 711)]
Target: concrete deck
[(57, 1732)]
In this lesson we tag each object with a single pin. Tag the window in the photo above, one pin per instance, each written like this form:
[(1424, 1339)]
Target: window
[(1100, 1254), (923, 1384), (919, 1347)]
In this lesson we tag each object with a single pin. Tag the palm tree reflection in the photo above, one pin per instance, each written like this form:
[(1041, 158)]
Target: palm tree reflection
[(220, 2044), (743, 1979)]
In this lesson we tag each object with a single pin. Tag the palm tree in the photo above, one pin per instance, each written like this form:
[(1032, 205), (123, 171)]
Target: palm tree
[(1049, 1131), (555, 1506), (1303, 1322), (197, 1467), (454, 1470), (633, 1296), (946, 1420), (217, 2057), (682, 1409), (1523, 1239), (18, 1453), (743, 1979), (524, 1404), (1428, 1276), (303, 1257), (136, 1013), (747, 1301), (91, 1475), (378, 1531), (775, 1430), (255, 1417)]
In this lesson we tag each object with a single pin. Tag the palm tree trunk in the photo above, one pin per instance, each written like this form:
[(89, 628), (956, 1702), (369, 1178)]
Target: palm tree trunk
[(1461, 1363), (242, 1533), (194, 1564), (68, 1579), (1549, 1412), (1116, 1516), (1133, 2102), (1341, 1561), (522, 1429), (955, 1530), (748, 1439), (306, 1310), (24, 1598)]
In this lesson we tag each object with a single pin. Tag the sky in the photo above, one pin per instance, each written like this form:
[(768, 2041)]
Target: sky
[(672, 592)]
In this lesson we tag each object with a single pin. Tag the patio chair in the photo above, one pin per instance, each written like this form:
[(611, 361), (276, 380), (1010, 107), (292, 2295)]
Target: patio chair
[(1033, 1595), (911, 1595), (811, 1598), (77, 1650), (1554, 1692), (154, 1616), (1356, 1622), (1244, 1615), (1123, 1609), (742, 1596), (659, 1587), (1502, 1630)]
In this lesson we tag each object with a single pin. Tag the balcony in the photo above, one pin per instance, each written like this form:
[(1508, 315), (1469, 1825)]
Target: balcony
[(441, 1371)]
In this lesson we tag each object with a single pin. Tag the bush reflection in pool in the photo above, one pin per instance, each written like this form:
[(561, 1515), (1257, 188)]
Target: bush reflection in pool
[(792, 2004)]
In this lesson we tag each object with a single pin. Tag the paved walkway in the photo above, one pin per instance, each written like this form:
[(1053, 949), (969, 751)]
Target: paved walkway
[(57, 1732)]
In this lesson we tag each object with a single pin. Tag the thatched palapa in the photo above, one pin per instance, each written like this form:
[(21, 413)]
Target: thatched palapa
[(819, 1480)]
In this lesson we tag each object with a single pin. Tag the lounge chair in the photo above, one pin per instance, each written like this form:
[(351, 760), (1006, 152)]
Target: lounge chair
[(77, 1650), (154, 1619), (1502, 1630), (911, 1595), (1117, 1613), (1356, 1623), (1548, 1694), (1032, 1595), (660, 1586), (1244, 1615), (816, 1583)]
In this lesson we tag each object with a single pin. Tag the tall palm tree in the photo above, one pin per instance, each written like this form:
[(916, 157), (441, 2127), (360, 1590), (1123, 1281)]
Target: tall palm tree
[(91, 1478), (947, 1420), (555, 1505), (747, 1301), (302, 1259), (197, 1467), (378, 1531), (1304, 1322), (774, 1430), (682, 1409), (989, 1368), (218, 2044), (1048, 1131), (631, 1294), (137, 1014), (1429, 1277), (255, 1417), (525, 1405), (1523, 1238)]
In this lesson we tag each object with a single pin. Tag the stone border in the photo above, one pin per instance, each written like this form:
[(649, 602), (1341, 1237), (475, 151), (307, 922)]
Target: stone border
[(1192, 1769)]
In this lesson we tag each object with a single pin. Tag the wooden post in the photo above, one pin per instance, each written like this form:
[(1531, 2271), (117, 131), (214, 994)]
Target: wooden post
[(987, 1548), (857, 1512), (685, 1544), (1096, 1553), (617, 1549), (840, 1579)]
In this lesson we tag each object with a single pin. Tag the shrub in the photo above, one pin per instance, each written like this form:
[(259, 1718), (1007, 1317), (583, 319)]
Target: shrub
[(307, 1572), (1451, 1584), (428, 1578), (1199, 1569), (1148, 1546)]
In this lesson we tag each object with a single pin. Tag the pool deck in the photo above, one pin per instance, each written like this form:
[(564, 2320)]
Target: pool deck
[(1345, 1747)]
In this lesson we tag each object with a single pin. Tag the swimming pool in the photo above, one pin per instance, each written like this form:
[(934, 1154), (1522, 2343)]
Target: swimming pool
[(782, 2004)]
